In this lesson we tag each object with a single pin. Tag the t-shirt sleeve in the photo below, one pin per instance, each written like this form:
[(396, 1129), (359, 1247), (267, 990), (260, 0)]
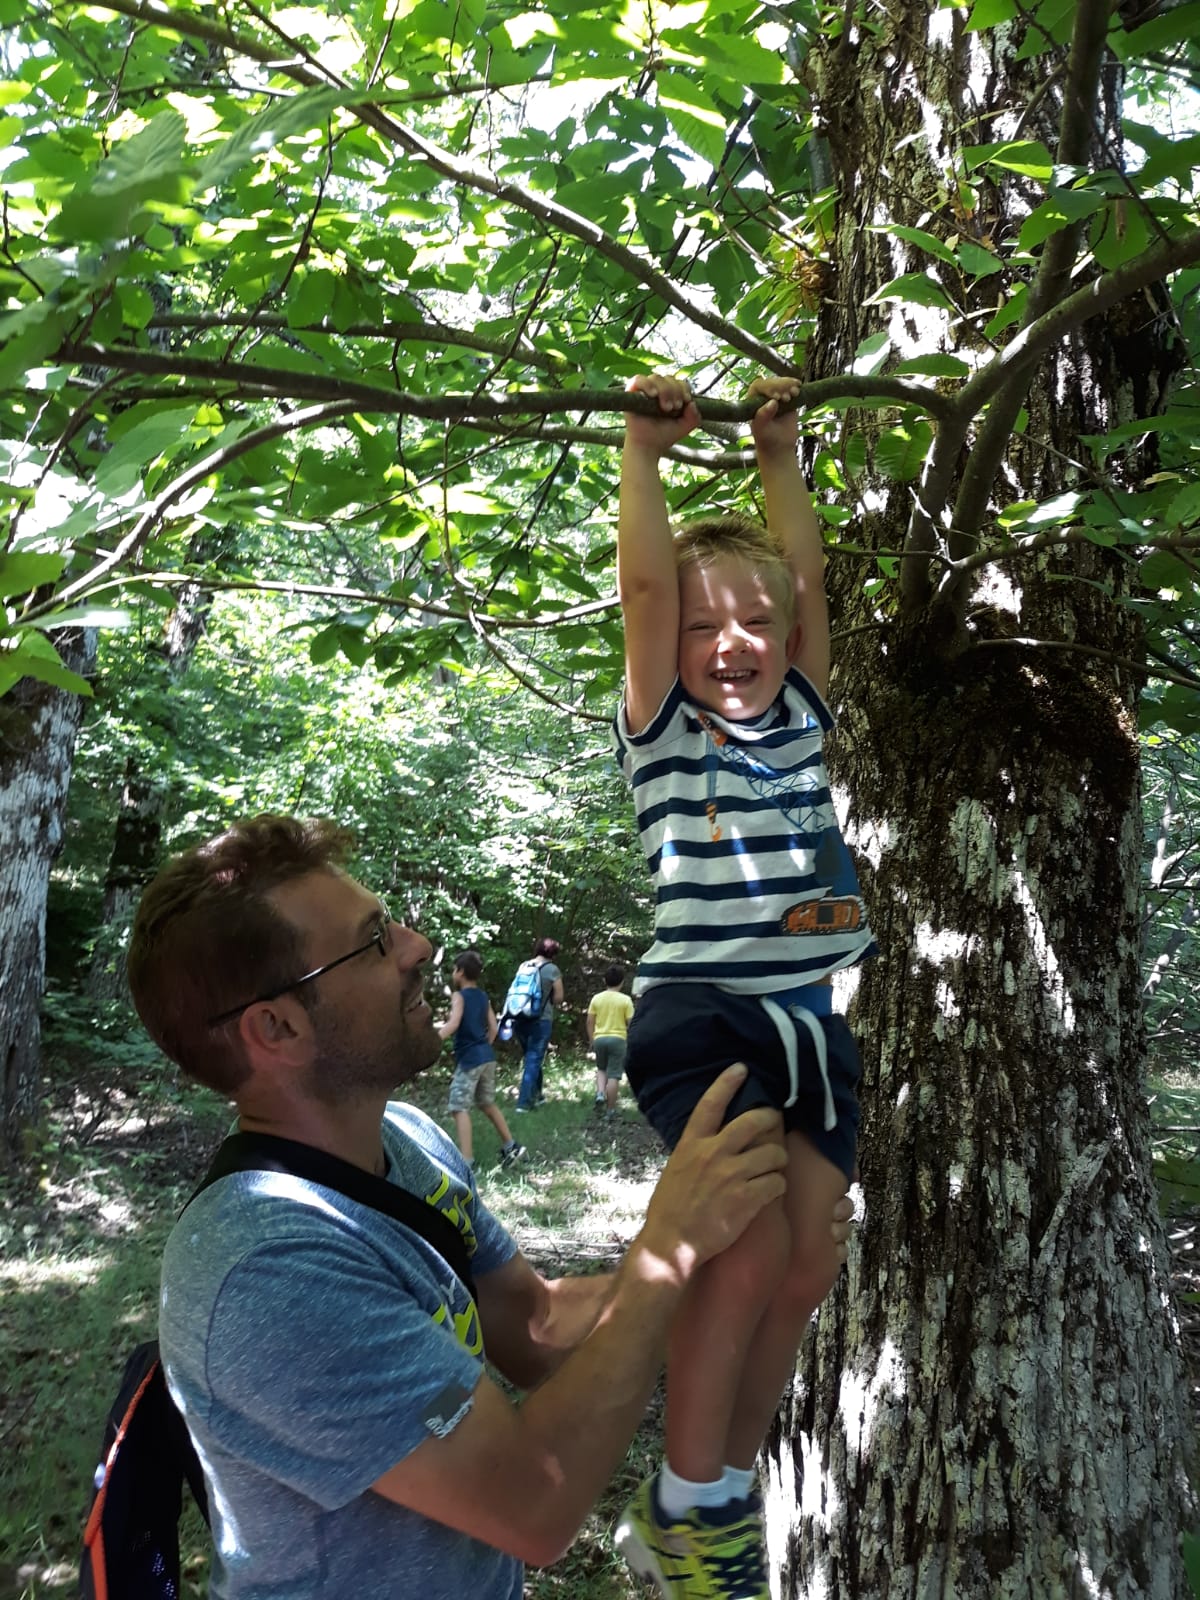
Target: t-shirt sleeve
[(331, 1370)]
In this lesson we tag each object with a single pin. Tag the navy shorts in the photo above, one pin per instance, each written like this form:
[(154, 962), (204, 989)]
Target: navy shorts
[(683, 1036)]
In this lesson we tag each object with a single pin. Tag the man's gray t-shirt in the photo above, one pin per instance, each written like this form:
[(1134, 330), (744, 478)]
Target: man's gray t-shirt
[(311, 1343)]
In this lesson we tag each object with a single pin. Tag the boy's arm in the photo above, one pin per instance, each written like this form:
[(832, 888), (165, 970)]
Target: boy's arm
[(791, 518), (591, 1021), (452, 1022), (647, 580), (493, 1026)]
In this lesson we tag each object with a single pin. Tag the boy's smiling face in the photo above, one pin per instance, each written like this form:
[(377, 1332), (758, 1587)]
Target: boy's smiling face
[(735, 642)]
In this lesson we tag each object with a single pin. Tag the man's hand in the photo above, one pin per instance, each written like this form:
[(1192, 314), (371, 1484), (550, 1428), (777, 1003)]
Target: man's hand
[(677, 413), (774, 434), (716, 1182)]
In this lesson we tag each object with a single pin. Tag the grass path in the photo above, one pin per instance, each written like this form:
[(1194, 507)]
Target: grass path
[(82, 1233)]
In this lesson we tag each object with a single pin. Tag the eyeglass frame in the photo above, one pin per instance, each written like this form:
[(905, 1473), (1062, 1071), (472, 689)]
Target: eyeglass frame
[(381, 939)]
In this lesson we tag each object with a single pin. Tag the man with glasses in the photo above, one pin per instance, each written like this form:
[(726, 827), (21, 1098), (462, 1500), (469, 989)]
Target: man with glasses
[(327, 1360)]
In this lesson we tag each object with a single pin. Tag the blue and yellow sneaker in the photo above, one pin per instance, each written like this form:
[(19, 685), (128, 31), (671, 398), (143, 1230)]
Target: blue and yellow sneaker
[(712, 1554)]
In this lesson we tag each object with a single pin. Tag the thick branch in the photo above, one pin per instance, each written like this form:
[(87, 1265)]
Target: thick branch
[(372, 397), (1058, 256), (1016, 362)]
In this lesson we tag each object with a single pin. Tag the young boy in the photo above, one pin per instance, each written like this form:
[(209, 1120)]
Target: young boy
[(726, 660), (472, 1022), (608, 1015)]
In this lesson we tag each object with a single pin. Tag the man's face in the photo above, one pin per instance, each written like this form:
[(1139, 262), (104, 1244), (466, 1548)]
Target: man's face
[(372, 1025)]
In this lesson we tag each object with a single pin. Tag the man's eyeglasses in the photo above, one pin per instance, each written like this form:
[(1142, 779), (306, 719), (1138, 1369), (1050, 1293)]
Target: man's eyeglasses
[(381, 939)]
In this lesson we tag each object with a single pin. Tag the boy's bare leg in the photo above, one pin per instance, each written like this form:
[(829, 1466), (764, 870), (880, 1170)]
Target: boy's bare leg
[(710, 1340), (463, 1133), (496, 1117), (601, 1082), (611, 1090), (814, 1186)]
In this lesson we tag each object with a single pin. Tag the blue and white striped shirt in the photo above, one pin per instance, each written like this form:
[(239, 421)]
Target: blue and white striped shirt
[(755, 887)]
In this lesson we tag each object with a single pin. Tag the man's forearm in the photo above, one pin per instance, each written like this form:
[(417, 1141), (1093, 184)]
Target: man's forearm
[(571, 1310), (579, 1423)]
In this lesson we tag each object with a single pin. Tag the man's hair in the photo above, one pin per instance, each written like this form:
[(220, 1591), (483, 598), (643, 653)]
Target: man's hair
[(547, 947), (615, 976), (470, 964), (205, 938), (730, 536)]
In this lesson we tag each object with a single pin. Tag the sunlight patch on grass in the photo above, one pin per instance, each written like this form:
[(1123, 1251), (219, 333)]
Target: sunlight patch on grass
[(75, 1271)]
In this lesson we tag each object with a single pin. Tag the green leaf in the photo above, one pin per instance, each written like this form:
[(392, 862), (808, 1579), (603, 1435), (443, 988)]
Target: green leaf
[(1191, 1560), (1026, 156), (34, 656), (925, 241), (693, 116), (1178, 160), (107, 203), (914, 288), (990, 14), (1058, 211), (1185, 507), (1179, 25), (1162, 570), (900, 451), (122, 466), (976, 261), (934, 365), (39, 331), (29, 569), (282, 119)]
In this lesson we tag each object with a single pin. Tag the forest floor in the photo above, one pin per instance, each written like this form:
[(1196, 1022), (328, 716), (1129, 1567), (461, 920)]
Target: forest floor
[(81, 1236)]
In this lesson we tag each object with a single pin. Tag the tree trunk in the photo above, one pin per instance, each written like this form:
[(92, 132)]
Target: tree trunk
[(38, 725), (137, 834), (990, 1406)]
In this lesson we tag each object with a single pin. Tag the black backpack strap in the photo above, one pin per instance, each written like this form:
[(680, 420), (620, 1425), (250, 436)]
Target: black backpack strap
[(267, 1152)]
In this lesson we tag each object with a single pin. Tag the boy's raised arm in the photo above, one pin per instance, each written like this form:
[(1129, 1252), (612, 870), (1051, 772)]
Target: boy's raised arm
[(790, 516), (647, 580)]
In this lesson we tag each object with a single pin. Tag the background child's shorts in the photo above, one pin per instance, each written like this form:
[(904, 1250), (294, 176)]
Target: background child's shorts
[(610, 1054), (472, 1086), (683, 1035)]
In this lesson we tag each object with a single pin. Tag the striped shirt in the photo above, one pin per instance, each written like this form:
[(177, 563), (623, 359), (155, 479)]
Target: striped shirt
[(755, 889)]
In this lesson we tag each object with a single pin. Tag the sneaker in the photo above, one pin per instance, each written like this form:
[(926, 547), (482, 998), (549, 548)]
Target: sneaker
[(512, 1152), (599, 1103), (711, 1554)]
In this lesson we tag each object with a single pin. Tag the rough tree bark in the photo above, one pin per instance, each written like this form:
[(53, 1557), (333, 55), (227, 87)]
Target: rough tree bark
[(38, 725), (137, 832), (990, 1406)]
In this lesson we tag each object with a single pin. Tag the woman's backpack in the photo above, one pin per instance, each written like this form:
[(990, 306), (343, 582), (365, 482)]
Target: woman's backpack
[(525, 994)]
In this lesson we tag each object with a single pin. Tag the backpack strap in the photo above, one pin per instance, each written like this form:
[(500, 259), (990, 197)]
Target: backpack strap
[(267, 1152)]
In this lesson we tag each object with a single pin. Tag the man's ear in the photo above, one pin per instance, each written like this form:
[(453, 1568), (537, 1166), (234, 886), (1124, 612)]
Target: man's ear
[(275, 1029)]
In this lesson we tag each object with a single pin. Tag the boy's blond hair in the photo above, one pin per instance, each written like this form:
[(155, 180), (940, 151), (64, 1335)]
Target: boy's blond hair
[(730, 536)]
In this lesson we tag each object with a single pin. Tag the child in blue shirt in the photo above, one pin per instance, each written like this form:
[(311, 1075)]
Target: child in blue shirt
[(720, 730), (472, 1025)]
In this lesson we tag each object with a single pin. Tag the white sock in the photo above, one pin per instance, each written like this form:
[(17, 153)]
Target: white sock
[(738, 1482), (677, 1496)]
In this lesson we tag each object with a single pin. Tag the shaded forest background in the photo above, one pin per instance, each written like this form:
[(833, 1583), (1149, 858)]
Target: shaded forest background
[(316, 330)]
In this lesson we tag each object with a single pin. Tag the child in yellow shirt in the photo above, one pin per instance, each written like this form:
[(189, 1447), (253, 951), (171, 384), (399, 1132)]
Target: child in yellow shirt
[(608, 1015)]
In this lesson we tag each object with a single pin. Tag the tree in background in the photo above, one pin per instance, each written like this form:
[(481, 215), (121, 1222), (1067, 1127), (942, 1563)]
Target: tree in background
[(409, 254)]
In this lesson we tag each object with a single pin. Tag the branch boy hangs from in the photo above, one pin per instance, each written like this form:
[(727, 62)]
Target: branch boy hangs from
[(720, 731)]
